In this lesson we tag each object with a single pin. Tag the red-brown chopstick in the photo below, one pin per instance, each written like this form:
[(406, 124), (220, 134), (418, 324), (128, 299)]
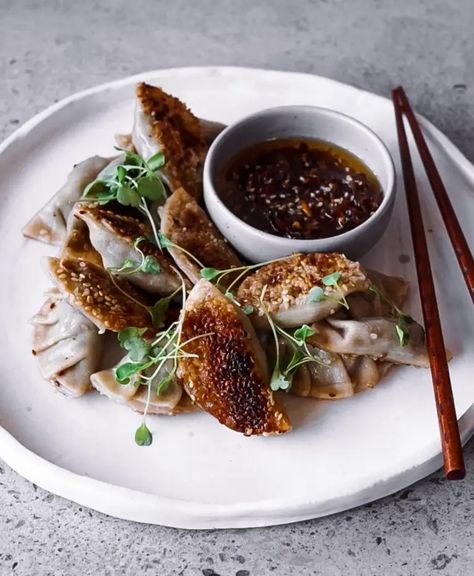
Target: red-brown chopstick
[(450, 439), (456, 235)]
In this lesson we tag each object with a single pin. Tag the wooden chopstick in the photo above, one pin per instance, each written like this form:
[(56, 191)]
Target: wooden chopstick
[(456, 235), (450, 439)]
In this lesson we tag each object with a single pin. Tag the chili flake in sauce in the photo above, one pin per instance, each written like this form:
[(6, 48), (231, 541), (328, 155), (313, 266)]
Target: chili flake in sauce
[(297, 188)]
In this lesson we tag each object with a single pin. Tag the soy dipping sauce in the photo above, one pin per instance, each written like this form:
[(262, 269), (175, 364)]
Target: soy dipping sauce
[(299, 188)]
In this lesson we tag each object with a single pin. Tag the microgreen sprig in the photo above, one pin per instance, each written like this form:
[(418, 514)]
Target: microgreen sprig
[(148, 264), (282, 375), (134, 182), (317, 293), (403, 319)]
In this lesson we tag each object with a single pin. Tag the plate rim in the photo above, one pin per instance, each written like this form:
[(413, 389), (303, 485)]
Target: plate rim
[(135, 505)]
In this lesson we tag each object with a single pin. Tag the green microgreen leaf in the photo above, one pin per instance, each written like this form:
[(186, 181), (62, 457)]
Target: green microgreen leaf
[(209, 273), (331, 279), (150, 265), (164, 382), (304, 332), (159, 310), (143, 436), (151, 187), (125, 371), (121, 174), (248, 309), (316, 294), (131, 339), (165, 241), (127, 196), (403, 320), (156, 161), (95, 188)]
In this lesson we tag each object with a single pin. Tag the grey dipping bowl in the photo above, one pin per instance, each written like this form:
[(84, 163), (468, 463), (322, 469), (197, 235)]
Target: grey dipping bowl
[(304, 122)]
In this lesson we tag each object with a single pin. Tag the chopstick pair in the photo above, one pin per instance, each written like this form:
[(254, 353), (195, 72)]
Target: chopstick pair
[(450, 438)]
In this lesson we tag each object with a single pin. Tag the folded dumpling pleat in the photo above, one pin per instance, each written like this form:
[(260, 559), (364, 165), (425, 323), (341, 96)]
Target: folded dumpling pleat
[(173, 400), (289, 282), (326, 380), (164, 124), (49, 224), (186, 224), (225, 370), (364, 371), (374, 337), (113, 233), (66, 345)]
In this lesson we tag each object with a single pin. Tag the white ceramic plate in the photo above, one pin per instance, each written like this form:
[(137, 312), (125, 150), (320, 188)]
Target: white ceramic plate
[(198, 474)]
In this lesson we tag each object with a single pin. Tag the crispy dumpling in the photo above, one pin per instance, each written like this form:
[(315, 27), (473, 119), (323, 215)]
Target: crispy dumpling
[(49, 224), (170, 401), (66, 345), (229, 375), (186, 224), (110, 304), (113, 234), (164, 124), (289, 282), (374, 337)]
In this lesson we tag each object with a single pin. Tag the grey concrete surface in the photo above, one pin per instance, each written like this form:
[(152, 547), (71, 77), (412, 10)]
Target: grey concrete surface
[(49, 49)]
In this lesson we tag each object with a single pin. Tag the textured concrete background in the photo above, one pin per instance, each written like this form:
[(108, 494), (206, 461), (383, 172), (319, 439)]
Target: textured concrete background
[(50, 49)]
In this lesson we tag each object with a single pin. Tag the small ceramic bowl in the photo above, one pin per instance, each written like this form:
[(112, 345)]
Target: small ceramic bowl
[(303, 122)]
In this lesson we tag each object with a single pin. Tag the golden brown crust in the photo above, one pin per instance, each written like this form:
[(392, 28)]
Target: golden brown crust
[(187, 225), (228, 378), (179, 135), (91, 289), (289, 281), (125, 227)]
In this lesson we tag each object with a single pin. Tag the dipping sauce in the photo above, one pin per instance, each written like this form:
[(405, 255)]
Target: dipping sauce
[(297, 188)]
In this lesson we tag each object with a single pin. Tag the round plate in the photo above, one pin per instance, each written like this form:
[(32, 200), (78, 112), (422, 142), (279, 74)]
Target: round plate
[(198, 474)]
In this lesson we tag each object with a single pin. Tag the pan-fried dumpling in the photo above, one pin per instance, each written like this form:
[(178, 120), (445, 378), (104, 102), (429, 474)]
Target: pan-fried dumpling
[(49, 224), (170, 401), (186, 224), (110, 304), (66, 345), (374, 337), (228, 377), (164, 124), (113, 234), (289, 282)]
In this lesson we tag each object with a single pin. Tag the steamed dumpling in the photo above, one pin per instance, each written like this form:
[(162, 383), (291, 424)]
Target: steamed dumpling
[(164, 124), (50, 223), (329, 380), (289, 282), (186, 224), (374, 337), (368, 304), (364, 371), (112, 234), (170, 401), (66, 345), (228, 376)]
